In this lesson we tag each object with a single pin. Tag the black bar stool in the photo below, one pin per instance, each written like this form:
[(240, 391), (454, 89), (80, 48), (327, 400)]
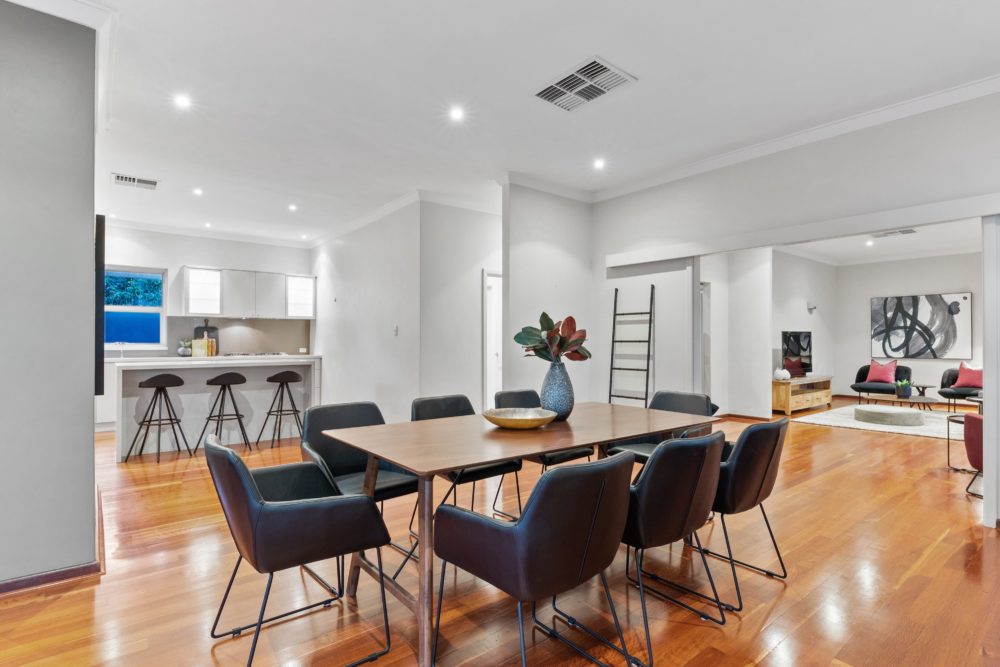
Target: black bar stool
[(283, 379), (218, 413), (161, 400)]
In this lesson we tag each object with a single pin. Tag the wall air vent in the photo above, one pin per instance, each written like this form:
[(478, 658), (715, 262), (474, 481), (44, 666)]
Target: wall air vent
[(894, 232), (586, 83), (134, 181)]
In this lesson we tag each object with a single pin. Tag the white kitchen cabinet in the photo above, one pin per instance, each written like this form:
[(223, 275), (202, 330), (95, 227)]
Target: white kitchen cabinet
[(269, 295), (238, 288), (202, 291), (300, 297)]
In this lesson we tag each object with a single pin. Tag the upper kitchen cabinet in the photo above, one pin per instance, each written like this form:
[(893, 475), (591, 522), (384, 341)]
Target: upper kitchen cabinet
[(270, 295), (202, 291), (238, 293), (300, 297)]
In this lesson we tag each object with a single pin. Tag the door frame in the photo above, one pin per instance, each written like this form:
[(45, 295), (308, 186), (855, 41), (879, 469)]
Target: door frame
[(486, 274)]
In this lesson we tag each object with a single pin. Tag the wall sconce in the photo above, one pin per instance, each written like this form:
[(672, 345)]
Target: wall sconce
[(810, 306)]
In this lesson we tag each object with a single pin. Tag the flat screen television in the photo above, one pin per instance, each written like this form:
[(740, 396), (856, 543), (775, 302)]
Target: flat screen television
[(796, 352)]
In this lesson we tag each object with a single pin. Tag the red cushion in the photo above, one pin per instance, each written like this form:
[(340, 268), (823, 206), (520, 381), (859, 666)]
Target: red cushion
[(969, 377), (793, 365), (882, 372)]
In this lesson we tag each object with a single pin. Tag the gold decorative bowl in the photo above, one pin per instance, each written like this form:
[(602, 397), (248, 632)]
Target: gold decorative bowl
[(519, 418)]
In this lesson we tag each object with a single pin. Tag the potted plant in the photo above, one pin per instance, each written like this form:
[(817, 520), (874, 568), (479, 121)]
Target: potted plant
[(551, 341), (903, 389)]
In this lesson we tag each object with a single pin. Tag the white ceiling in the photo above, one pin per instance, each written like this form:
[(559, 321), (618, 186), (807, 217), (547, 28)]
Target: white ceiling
[(947, 238), (341, 107)]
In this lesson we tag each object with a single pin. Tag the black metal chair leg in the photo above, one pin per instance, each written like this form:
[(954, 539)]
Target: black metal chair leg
[(159, 421), (291, 401), (239, 418), (173, 414), (507, 515), (968, 488), (204, 428), (266, 415), (135, 438), (520, 632), (437, 622), (372, 657), (260, 619), (276, 431)]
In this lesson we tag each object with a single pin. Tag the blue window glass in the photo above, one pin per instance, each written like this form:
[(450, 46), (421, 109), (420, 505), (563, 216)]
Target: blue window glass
[(131, 327), (130, 288)]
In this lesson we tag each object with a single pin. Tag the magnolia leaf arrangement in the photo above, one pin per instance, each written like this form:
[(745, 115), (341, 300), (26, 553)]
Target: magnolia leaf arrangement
[(553, 340)]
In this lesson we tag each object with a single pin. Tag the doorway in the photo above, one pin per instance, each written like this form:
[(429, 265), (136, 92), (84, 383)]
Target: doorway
[(492, 336)]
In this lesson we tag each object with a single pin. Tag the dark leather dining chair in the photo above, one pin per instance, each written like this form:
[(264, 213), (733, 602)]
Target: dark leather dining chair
[(528, 398), (746, 479), (345, 466), (670, 401), (668, 502), (287, 516), (457, 405), (548, 550)]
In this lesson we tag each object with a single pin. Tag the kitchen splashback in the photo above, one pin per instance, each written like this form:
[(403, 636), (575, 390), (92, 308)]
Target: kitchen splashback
[(244, 336)]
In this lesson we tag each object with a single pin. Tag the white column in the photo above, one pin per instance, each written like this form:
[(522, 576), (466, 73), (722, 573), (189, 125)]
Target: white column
[(991, 370)]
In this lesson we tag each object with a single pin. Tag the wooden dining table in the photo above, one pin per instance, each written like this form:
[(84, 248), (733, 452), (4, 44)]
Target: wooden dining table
[(438, 446)]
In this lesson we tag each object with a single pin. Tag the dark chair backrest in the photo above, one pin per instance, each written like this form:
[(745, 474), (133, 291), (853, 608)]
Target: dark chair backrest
[(681, 401), (747, 476), (974, 441), (241, 500), (439, 407), (518, 398), (902, 373), (572, 524), (675, 491), (949, 377), (339, 459)]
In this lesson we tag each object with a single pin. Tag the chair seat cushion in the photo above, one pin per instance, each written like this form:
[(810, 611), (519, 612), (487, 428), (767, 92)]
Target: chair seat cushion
[(161, 380), (478, 473), (959, 392), (641, 450), (226, 378), (556, 458), (389, 484), (285, 376), (874, 388)]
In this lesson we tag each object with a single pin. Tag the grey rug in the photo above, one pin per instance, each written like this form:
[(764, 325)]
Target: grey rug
[(935, 423)]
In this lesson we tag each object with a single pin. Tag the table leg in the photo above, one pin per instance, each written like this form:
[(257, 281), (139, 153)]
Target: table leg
[(425, 603), (368, 488)]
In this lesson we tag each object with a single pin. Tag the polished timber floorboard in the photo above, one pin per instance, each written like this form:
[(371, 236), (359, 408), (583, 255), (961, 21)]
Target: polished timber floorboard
[(887, 566)]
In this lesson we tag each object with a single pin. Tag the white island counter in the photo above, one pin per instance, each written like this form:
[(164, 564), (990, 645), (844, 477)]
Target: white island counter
[(194, 400)]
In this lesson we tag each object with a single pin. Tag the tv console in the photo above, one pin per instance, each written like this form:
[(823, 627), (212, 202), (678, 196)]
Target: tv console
[(800, 393)]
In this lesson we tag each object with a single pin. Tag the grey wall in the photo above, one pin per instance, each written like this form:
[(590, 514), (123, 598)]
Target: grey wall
[(797, 283), (47, 273)]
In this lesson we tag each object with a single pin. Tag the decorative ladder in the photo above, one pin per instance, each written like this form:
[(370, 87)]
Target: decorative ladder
[(624, 318)]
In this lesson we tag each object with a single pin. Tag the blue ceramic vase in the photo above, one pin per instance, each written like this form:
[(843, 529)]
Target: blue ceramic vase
[(557, 391)]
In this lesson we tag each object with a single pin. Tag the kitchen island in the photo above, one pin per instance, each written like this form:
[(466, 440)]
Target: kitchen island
[(194, 400)]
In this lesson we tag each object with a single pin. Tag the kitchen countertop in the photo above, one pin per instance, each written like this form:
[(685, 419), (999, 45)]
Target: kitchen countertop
[(198, 362)]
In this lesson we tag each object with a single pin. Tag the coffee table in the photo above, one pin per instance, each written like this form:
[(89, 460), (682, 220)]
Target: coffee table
[(888, 415), (918, 402), (922, 388)]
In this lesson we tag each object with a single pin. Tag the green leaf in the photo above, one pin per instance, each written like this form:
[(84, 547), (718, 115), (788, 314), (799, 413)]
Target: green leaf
[(543, 354), (545, 322), (527, 339)]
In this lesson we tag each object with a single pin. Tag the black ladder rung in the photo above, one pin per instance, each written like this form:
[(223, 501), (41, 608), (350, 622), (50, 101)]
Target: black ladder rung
[(622, 368), (633, 398), (631, 341), (638, 312)]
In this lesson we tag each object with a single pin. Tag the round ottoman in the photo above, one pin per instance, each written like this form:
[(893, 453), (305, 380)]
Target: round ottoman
[(889, 415)]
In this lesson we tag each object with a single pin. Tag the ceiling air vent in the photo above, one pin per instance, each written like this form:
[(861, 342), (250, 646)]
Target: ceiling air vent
[(134, 181), (586, 83), (894, 232)]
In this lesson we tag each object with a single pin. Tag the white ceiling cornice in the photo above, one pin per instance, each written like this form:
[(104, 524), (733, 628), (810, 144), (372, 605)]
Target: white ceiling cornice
[(370, 217), (516, 178), (206, 233), (482, 205), (104, 21), (913, 107)]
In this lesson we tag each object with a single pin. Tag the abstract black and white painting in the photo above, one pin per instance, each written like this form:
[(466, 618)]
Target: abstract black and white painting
[(929, 326)]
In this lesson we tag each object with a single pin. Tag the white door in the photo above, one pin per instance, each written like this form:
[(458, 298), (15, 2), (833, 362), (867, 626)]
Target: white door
[(492, 337)]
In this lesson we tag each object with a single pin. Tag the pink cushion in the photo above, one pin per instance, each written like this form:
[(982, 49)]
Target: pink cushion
[(793, 365), (882, 372), (969, 377)]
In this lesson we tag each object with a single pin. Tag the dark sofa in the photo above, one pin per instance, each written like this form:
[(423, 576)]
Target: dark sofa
[(862, 387), (953, 394)]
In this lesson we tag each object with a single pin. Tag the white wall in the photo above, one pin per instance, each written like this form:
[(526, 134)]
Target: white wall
[(750, 333), (368, 283), (857, 284), (47, 270), (456, 245), (797, 282), (547, 267), (714, 270)]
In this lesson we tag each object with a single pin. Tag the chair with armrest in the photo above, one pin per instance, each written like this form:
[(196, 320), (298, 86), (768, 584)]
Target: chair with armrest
[(547, 551), (953, 394), (747, 474), (862, 386), (345, 466), (528, 398), (974, 449), (287, 516), (669, 401), (668, 502), (457, 405)]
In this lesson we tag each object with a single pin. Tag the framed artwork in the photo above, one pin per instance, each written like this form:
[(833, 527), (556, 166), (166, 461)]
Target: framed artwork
[(928, 326)]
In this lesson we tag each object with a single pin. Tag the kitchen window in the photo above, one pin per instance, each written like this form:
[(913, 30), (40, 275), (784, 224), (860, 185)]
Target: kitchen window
[(134, 313)]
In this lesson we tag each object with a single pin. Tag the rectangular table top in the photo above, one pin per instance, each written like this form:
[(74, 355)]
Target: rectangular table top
[(437, 446)]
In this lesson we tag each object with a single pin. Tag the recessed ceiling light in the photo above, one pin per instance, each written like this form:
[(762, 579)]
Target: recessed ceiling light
[(197, 192), (456, 114), (112, 215), (304, 237), (182, 101), (293, 208), (599, 164), (869, 243), (208, 224)]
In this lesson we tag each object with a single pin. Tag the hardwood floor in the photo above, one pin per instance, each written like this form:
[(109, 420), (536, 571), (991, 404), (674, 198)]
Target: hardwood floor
[(887, 566)]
